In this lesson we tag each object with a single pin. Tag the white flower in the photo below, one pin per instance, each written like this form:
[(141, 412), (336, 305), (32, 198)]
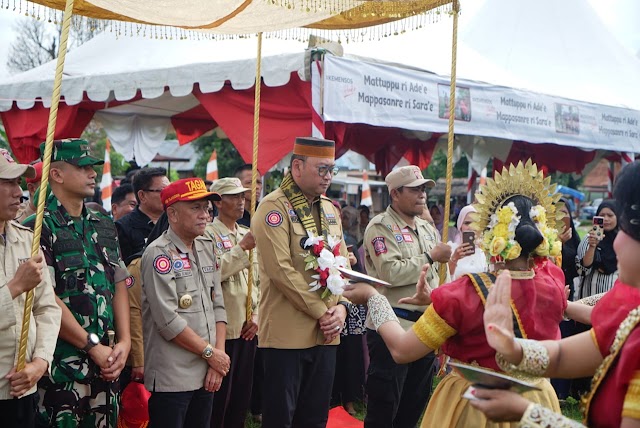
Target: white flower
[(312, 240), (315, 285), (333, 241), (493, 221), (326, 259), (341, 262), (335, 284)]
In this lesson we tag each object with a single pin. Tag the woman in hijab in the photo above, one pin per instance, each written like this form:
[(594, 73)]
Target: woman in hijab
[(466, 258), (570, 243), (596, 261), (437, 214)]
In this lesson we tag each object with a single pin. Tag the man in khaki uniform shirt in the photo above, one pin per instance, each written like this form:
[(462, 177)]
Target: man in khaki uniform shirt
[(398, 244), (232, 245), (183, 312), (20, 273), (295, 322)]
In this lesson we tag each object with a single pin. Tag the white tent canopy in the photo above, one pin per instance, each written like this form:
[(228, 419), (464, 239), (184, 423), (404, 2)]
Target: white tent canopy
[(156, 78)]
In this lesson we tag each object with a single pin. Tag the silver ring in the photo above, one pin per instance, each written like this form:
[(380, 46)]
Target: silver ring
[(337, 328)]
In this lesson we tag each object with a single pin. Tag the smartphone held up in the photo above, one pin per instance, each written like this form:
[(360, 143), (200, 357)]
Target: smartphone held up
[(598, 227)]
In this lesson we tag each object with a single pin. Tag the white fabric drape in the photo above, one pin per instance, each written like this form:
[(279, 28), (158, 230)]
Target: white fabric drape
[(135, 137)]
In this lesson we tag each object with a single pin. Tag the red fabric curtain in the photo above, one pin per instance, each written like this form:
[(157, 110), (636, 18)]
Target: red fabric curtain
[(192, 124), (550, 157), (285, 113), (382, 146), (27, 129)]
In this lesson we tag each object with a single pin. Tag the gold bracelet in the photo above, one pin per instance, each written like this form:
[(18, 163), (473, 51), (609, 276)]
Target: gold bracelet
[(535, 359)]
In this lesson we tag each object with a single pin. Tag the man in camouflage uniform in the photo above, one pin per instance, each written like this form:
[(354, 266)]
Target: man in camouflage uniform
[(81, 250)]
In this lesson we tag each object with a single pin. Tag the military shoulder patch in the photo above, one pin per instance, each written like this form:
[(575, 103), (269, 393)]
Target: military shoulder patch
[(274, 218), (129, 281), (162, 264), (379, 247)]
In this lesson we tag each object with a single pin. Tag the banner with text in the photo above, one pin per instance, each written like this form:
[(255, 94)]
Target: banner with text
[(382, 95)]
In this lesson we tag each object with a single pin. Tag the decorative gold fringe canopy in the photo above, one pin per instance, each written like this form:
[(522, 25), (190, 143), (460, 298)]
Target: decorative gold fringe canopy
[(348, 17)]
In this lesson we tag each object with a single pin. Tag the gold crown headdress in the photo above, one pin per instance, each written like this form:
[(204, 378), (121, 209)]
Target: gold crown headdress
[(525, 180)]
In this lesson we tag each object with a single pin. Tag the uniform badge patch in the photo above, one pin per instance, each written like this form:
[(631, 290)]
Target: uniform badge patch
[(162, 264), (378, 245), (178, 265), (129, 281), (407, 237), (219, 245), (398, 238), (274, 218), (208, 269), (331, 218)]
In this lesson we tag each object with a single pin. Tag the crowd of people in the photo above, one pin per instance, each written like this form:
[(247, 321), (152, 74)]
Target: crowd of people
[(183, 298)]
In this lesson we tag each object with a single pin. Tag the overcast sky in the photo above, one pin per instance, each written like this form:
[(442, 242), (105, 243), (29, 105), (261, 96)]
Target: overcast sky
[(620, 16)]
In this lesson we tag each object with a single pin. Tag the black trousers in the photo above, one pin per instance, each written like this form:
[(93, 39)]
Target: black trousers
[(258, 383), (19, 412), (297, 386), (180, 409), (231, 402), (348, 383), (397, 393)]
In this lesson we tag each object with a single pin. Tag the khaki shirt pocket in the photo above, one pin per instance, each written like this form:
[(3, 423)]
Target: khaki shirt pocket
[(189, 300)]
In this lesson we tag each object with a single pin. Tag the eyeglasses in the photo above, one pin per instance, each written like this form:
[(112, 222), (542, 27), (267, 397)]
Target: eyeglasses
[(324, 169)]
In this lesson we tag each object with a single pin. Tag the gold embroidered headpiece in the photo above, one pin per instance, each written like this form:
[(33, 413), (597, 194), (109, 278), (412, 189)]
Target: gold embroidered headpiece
[(525, 180)]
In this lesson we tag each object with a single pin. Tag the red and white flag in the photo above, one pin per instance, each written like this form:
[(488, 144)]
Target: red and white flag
[(366, 190), (107, 180), (212, 167)]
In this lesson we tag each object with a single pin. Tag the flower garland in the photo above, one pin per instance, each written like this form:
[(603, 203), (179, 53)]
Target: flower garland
[(499, 237), (550, 245), (324, 259)]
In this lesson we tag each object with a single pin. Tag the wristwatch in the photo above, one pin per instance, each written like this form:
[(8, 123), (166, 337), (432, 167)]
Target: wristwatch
[(347, 305), (208, 352), (92, 340)]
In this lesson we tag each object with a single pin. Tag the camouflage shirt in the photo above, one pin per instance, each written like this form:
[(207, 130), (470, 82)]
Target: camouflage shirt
[(84, 260)]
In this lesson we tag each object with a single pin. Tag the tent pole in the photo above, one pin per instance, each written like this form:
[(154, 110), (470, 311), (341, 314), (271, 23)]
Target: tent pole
[(46, 163), (452, 116), (254, 170)]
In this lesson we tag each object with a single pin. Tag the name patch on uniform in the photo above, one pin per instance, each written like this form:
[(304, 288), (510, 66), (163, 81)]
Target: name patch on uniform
[(208, 269), (331, 218), (184, 273), (379, 247), (274, 218), (129, 281), (162, 264)]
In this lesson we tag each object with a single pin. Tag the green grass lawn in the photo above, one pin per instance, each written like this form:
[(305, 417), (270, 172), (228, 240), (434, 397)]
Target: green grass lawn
[(570, 408)]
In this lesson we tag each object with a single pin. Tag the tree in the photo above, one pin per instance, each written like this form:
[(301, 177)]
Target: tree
[(37, 41), (97, 139), (438, 166), (228, 157)]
